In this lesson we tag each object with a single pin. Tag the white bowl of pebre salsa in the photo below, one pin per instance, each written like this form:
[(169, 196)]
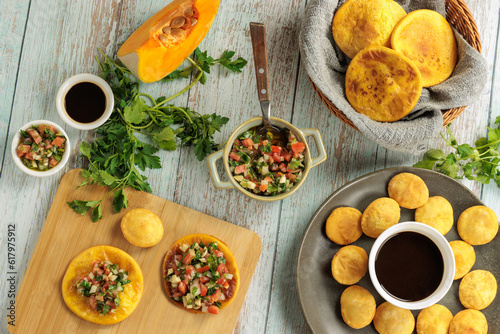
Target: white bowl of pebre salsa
[(264, 170), (40, 148)]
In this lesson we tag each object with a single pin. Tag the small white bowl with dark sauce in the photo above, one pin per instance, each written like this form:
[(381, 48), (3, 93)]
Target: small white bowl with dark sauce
[(85, 101), (411, 265)]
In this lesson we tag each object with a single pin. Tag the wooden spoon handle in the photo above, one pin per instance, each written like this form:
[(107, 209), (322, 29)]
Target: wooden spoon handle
[(258, 33)]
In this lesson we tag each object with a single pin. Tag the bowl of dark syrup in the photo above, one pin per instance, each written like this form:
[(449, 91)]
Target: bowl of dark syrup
[(411, 265), (85, 101)]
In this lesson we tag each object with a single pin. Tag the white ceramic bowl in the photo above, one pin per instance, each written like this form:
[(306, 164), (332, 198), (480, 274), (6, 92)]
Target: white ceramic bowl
[(32, 172), (444, 248), (68, 84)]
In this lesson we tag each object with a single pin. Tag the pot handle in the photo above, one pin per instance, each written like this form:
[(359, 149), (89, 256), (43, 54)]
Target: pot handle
[(211, 160), (319, 145)]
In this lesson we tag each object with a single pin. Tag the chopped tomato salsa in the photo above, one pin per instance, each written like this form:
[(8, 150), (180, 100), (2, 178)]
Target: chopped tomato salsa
[(265, 168), (102, 285), (198, 277), (41, 147)]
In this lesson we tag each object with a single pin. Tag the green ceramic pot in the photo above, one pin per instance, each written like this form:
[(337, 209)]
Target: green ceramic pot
[(223, 154)]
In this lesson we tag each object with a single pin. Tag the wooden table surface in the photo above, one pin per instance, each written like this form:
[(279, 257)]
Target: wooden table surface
[(45, 42)]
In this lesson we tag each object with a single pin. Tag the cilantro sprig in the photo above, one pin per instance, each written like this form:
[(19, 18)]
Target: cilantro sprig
[(204, 62), (479, 163), (140, 125)]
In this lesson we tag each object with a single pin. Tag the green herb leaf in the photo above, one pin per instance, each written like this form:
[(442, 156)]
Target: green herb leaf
[(120, 201), (79, 206), (136, 111), (478, 163), (96, 213), (85, 150)]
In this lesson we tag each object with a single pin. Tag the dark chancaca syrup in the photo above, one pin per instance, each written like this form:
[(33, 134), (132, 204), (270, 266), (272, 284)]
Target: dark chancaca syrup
[(409, 266), (85, 102)]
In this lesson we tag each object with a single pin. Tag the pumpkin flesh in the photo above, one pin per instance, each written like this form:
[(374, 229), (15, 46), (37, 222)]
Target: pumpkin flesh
[(151, 54)]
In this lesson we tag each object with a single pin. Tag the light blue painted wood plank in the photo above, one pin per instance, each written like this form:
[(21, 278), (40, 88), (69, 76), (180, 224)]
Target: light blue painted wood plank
[(235, 96), (60, 40), (12, 23), (491, 193), (350, 155)]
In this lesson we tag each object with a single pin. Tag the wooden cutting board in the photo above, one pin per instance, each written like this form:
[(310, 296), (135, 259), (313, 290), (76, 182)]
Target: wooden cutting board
[(40, 307)]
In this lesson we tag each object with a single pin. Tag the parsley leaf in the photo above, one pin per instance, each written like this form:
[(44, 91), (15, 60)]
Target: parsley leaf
[(478, 163), (140, 126)]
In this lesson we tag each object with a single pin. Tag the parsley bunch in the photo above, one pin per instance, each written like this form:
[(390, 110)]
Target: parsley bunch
[(478, 163), (140, 125)]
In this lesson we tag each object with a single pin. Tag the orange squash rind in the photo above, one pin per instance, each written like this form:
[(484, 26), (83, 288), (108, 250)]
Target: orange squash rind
[(206, 239), (360, 23), (82, 265), (150, 54), (426, 38), (382, 84)]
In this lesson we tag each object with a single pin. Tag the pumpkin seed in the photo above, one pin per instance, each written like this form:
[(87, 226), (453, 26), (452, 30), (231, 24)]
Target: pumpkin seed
[(176, 31), (193, 22), (189, 12), (166, 30), (178, 22), (163, 37)]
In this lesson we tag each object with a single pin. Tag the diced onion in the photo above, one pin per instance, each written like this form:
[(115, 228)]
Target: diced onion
[(174, 279), (228, 276), (184, 247), (93, 289), (91, 276)]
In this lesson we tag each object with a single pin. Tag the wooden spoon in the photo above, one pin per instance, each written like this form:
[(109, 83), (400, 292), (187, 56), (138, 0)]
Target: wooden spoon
[(258, 33)]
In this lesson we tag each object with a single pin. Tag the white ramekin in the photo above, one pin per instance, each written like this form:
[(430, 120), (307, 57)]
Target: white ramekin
[(32, 172), (444, 248), (68, 84)]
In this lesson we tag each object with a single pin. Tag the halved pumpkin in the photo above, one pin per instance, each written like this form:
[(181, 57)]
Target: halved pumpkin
[(162, 43), (82, 265), (169, 263)]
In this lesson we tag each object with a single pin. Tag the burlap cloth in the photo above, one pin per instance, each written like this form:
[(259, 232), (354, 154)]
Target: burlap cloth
[(326, 65)]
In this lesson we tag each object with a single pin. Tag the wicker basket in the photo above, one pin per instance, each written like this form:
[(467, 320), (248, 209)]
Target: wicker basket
[(460, 17)]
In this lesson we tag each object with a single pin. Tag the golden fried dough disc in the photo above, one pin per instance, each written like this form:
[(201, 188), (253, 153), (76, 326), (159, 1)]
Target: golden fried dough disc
[(382, 84), (360, 23), (82, 265), (477, 225), (390, 319), (357, 306), (477, 289), (343, 226), (469, 321), (434, 319), (349, 265), (142, 228), (465, 257), (381, 214), (408, 190), (426, 38), (437, 212)]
